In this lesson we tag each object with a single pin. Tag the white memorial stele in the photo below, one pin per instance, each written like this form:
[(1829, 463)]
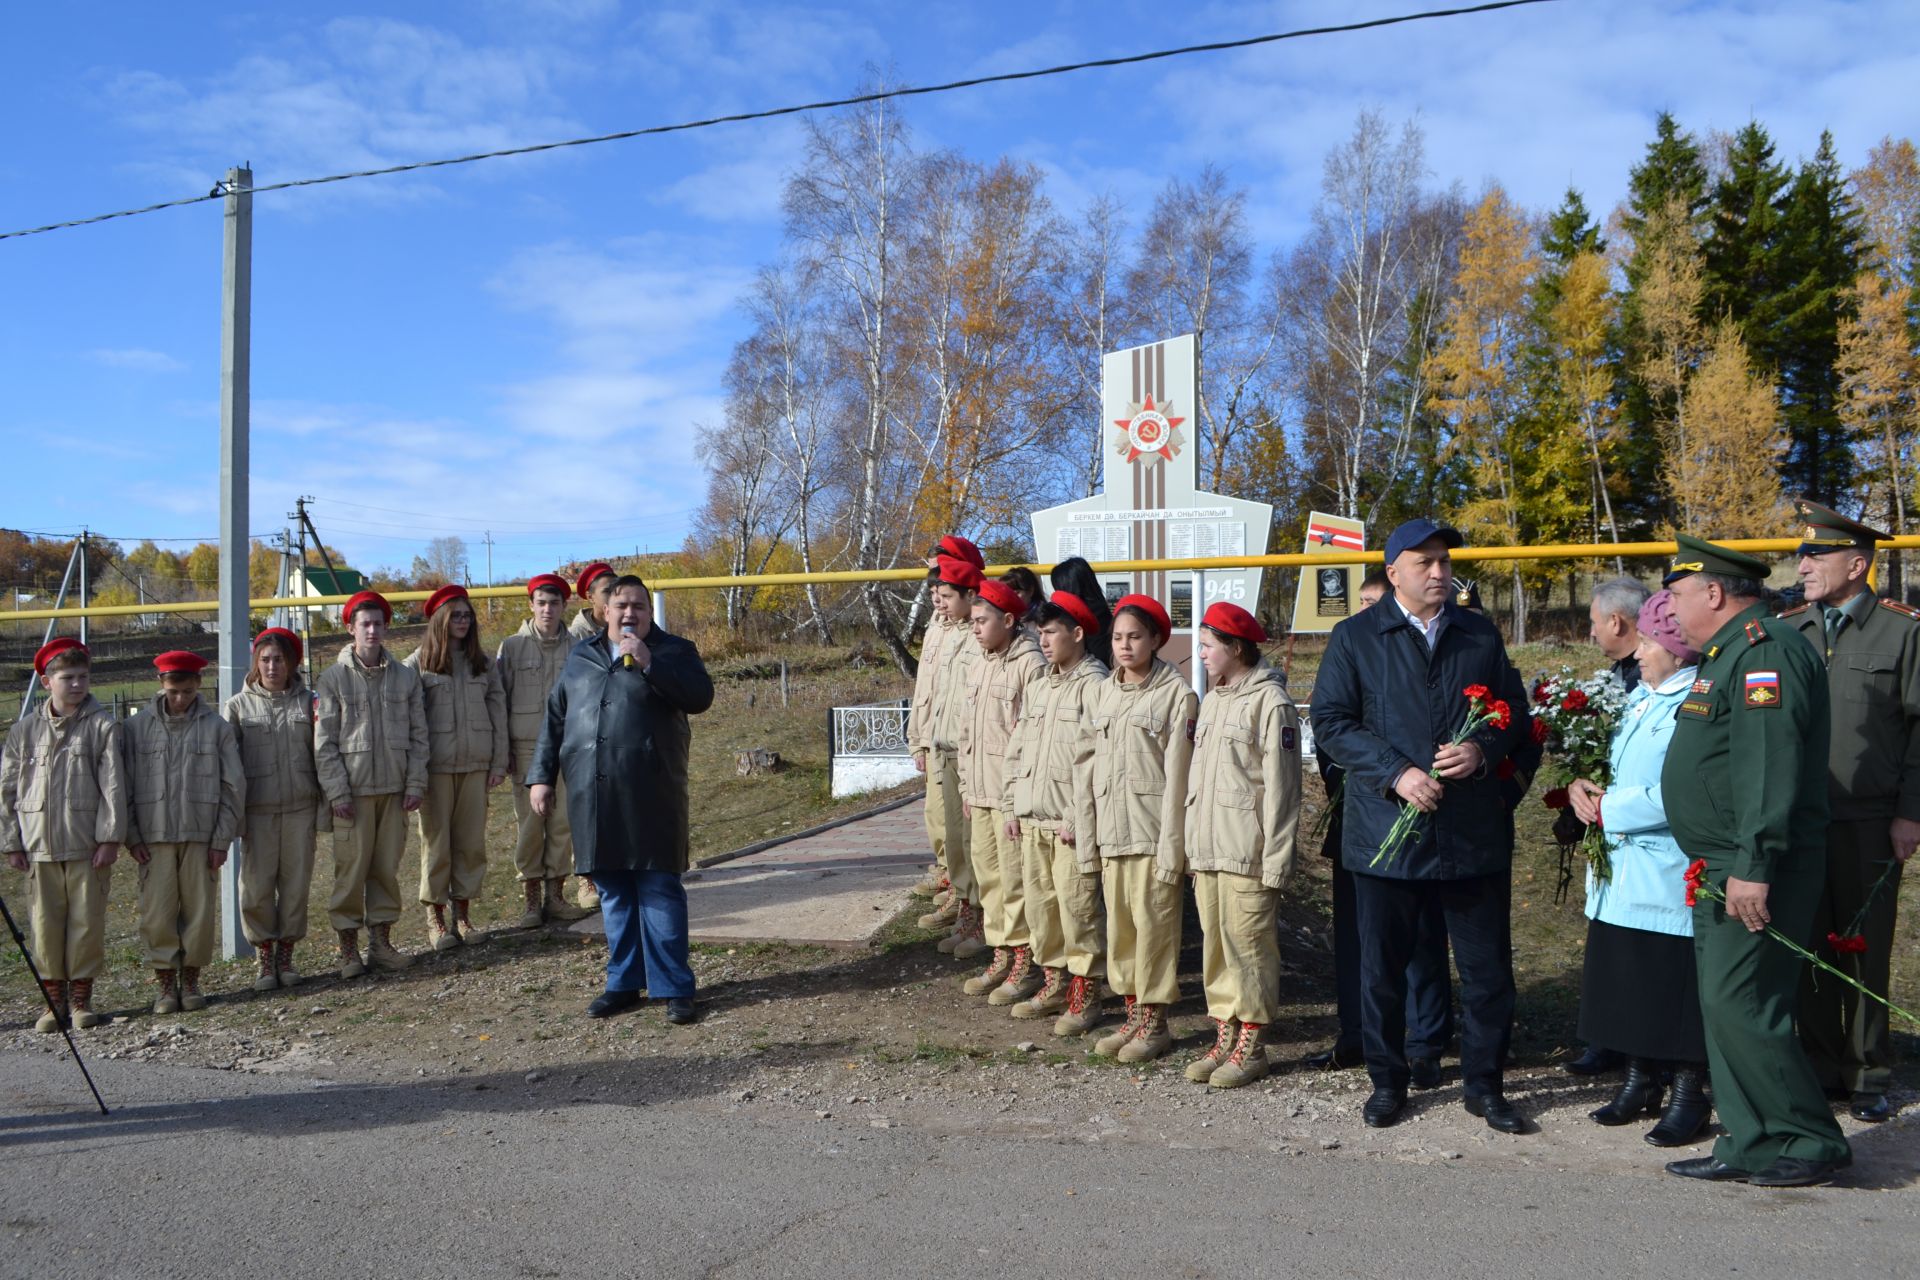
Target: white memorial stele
[(1150, 508)]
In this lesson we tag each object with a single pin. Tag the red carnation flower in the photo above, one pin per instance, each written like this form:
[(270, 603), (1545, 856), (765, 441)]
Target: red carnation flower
[(1475, 692), (1540, 731), (1505, 770), (1696, 877), (1502, 715), (1846, 944), (1575, 701), (1556, 799)]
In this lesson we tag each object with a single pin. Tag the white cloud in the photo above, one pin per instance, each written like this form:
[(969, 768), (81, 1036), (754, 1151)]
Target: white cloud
[(136, 359)]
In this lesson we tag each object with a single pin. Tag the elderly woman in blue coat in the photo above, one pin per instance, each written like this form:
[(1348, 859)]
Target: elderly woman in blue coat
[(1639, 995)]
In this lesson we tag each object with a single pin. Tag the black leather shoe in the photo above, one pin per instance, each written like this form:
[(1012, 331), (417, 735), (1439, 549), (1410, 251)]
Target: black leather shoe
[(1594, 1061), (1423, 1073), (1791, 1171), (1871, 1107), (680, 1011), (1338, 1058), (1496, 1111), (1383, 1108), (1707, 1168), (608, 1003)]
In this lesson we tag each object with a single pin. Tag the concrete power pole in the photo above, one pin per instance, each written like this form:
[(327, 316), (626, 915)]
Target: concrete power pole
[(236, 368)]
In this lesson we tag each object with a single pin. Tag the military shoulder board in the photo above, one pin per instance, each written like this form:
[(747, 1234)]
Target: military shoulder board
[(1905, 610), (1796, 610), (1756, 631)]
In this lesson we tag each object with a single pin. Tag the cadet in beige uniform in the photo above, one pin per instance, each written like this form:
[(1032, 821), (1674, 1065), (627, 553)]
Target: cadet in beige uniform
[(1049, 804), (945, 721), (189, 794), (63, 817), (370, 750), (1008, 659), (1143, 742), (272, 716), (530, 661), (466, 757), (952, 622), (1243, 809)]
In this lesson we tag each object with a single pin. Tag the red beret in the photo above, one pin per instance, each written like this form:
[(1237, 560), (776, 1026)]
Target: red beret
[(1077, 607), (366, 598), (445, 595), (285, 637), (588, 574), (959, 573), (1003, 597), (176, 662), (53, 649), (1152, 608), (960, 549), (1232, 620), (548, 582)]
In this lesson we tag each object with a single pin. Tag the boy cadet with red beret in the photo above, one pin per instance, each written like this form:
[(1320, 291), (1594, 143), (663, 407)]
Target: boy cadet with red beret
[(189, 792), (1049, 808), (63, 817), (370, 750), (1009, 658), (936, 723), (530, 662), (945, 630)]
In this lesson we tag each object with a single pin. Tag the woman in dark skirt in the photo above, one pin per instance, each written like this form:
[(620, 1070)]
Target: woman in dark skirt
[(1638, 994)]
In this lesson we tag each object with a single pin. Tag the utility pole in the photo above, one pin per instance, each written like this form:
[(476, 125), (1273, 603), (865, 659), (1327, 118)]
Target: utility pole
[(236, 370), (83, 585), (488, 539)]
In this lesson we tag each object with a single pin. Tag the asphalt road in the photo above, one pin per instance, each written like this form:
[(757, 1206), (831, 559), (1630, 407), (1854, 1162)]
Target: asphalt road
[(588, 1171)]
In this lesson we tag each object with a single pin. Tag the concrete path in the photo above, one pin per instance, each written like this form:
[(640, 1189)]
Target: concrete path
[(836, 888)]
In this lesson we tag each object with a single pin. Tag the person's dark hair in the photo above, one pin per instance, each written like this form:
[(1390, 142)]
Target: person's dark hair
[(547, 591), (1048, 612), (1737, 587), (1377, 578), (286, 651), (1076, 577), (438, 647), (1147, 620), (630, 580), (69, 658), (1244, 649), (1026, 582)]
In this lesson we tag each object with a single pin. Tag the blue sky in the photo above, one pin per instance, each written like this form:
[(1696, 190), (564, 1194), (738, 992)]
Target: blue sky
[(525, 345)]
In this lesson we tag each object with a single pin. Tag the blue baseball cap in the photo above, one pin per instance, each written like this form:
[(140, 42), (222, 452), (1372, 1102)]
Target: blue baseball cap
[(1414, 532)]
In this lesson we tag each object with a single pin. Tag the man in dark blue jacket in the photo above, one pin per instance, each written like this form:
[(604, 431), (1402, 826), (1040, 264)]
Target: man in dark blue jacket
[(1386, 702)]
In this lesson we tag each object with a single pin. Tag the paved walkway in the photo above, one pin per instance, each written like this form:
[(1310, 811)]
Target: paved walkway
[(836, 888)]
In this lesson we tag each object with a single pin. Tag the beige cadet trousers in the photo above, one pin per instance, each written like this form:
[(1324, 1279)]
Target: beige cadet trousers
[(453, 836), (544, 848), (366, 862), (1143, 931), (1240, 946), (68, 904), (947, 827), (176, 906), (276, 873), (1063, 903), (1001, 878)]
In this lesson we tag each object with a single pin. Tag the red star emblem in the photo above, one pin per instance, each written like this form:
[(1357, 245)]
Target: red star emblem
[(1149, 431)]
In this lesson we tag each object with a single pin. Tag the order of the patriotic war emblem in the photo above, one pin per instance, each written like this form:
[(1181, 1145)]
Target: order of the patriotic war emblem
[(1149, 431)]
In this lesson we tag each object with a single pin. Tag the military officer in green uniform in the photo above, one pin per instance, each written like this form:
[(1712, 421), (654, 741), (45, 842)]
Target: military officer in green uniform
[(1745, 785), (1872, 651)]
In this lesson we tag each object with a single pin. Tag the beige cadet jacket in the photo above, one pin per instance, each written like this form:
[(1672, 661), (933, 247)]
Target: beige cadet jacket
[(466, 718), (370, 731), (1142, 746), (935, 649), (584, 627), (1050, 759), (185, 777), (63, 784), (948, 723), (276, 746), (995, 684), (530, 665), (1243, 789)]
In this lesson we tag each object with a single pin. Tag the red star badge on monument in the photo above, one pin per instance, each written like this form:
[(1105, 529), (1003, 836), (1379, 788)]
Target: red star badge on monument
[(1148, 430)]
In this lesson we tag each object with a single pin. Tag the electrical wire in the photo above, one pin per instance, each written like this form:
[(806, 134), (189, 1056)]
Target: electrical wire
[(1218, 46), (442, 519)]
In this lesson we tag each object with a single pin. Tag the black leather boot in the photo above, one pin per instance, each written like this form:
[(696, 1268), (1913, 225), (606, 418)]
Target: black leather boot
[(1639, 1094), (1688, 1109)]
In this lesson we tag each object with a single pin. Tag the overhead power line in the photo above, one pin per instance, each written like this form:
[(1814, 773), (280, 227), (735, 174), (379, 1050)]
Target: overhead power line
[(909, 91)]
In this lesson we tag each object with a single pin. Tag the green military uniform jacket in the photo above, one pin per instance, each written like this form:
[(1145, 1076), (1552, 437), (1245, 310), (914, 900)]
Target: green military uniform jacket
[(1873, 680), (1746, 774)]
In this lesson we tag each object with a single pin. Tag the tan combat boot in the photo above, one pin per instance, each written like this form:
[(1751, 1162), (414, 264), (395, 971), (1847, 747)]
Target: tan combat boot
[(381, 953), (997, 969), (931, 883), (1022, 980), (530, 918), (558, 909), (1247, 1063), (465, 922), (1050, 998), (53, 1019), (351, 965), (972, 938), (588, 895), (289, 976), (1152, 1040), (963, 914), (945, 913), (1110, 1045), (441, 937), (1201, 1069), (81, 1004), (168, 1001), (1083, 1008), (190, 997), (269, 979)]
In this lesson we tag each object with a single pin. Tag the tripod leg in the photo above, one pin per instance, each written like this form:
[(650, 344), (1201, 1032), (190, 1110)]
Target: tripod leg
[(26, 953)]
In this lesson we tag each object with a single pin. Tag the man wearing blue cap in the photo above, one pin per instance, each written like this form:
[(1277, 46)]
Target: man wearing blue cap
[(1388, 697)]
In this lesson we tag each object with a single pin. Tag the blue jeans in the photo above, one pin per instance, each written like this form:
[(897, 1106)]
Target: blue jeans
[(646, 918)]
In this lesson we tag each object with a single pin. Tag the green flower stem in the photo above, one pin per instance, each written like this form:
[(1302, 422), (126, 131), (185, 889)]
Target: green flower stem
[(1711, 892)]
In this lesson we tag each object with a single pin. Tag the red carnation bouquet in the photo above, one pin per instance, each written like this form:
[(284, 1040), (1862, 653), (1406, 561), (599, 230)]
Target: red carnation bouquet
[(1574, 721), (1482, 709)]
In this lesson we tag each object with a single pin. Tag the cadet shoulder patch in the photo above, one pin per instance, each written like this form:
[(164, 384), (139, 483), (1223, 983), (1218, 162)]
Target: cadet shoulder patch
[(1288, 738), (1190, 729), (1756, 631), (1902, 609), (1763, 688)]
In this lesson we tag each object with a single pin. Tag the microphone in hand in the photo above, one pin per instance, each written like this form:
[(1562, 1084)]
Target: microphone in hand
[(626, 660)]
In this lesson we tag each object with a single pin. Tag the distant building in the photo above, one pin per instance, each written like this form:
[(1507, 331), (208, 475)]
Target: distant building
[(316, 580)]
